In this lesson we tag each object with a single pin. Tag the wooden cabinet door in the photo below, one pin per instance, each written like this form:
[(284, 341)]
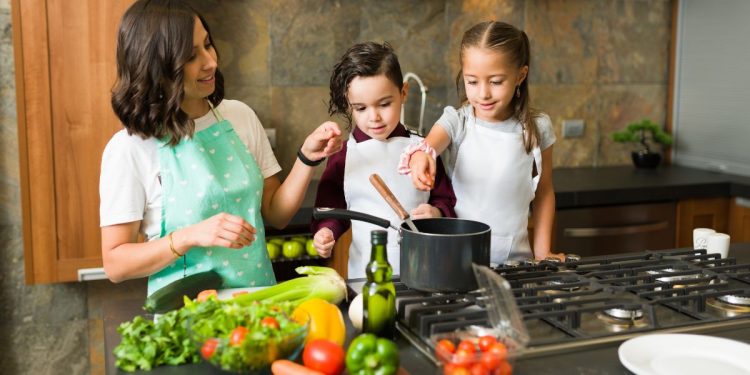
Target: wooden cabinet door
[(65, 69), (739, 220), (700, 213)]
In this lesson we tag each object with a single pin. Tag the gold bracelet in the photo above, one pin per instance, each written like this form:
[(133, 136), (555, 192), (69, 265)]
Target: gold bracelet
[(171, 246)]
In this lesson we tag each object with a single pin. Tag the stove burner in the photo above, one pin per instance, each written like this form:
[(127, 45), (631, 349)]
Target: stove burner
[(626, 312), (726, 308), (511, 263), (665, 278)]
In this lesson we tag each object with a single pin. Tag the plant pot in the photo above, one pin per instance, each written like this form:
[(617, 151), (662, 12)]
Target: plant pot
[(642, 159)]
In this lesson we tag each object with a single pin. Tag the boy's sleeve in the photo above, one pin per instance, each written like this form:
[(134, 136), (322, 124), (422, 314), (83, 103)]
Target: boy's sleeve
[(442, 196), (331, 194)]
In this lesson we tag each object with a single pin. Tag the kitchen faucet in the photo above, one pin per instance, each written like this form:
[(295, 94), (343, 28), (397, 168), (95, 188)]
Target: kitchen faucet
[(423, 89)]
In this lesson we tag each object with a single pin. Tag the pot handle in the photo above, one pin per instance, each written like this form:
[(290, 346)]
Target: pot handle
[(337, 213)]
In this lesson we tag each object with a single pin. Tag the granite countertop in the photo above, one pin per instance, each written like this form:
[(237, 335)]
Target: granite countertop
[(586, 187)]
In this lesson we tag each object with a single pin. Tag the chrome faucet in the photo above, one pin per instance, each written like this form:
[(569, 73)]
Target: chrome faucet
[(423, 89)]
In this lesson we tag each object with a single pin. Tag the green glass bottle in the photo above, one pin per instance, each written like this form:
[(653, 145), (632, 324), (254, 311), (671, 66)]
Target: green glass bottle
[(378, 293)]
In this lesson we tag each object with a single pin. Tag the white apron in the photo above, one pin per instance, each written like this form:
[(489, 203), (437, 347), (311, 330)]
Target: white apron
[(493, 184), (362, 160)]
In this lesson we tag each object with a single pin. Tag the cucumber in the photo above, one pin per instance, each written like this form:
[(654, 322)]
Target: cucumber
[(170, 297)]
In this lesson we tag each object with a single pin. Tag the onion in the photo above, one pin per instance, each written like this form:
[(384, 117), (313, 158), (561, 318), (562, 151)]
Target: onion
[(355, 312)]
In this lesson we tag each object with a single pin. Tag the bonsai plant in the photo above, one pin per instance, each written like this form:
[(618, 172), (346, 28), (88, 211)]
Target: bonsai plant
[(644, 132)]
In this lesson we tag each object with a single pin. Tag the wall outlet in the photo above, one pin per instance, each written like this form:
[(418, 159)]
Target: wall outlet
[(271, 134), (573, 128)]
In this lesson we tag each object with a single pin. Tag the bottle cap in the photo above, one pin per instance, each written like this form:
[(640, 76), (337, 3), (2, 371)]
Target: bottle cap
[(379, 237)]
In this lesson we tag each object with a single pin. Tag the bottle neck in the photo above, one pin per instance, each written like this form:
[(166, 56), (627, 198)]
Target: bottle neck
[(379, 254)]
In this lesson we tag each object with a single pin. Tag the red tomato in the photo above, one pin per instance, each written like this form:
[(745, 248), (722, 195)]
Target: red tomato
[(209, 347), (269, 322), (444, 349), (479, 369), (237, 336), (451, 369), (466, 345), (505, 368), (500, 350), (203, 295), (325, 356), (490, 360), (485, 342), (463, 358)]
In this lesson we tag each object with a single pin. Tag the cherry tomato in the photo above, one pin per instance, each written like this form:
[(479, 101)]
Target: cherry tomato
[(444, 349), (490, 360), (485, 342), (463, 358), (452, 369), (269, 322), (479, 369), (203, 295), (237, 336), (325, 356), (209, 347), (500, 350), (466, 345), (505, 368)]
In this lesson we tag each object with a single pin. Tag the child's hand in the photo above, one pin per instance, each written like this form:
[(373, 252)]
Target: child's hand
[(323, 141), (422, 170), (425, 211), (323, 242), (560, 256)]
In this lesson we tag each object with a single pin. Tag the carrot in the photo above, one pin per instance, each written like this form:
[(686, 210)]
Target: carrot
[(287, 367)]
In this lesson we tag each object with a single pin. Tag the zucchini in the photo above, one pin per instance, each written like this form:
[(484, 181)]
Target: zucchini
[(170, 297)]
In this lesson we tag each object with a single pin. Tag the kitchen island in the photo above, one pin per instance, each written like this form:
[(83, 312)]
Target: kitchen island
[(600, 359)]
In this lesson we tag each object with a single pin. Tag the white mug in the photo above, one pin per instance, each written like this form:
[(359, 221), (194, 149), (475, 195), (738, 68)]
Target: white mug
[(699, 237), (718, 243)]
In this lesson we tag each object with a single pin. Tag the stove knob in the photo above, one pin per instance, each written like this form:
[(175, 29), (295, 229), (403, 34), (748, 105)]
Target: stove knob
[(572, 257)]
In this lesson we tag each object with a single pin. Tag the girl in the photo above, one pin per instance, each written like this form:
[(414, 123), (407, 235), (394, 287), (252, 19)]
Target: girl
[(191, 172), (500, 149), (367, 88)]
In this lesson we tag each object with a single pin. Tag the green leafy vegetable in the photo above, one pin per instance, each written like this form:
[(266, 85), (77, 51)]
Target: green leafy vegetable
[(320, 282)]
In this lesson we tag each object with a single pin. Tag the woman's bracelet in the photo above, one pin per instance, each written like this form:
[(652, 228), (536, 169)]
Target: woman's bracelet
[(306, 161), (403, 164), (171, 246)]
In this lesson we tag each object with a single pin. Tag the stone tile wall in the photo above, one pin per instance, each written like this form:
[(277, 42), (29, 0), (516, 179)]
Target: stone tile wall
[(601, 61)]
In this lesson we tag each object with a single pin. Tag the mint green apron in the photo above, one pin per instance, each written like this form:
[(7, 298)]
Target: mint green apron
[(211, 173)]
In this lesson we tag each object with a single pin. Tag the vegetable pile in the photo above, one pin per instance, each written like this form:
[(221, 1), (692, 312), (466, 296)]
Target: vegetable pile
[(171, 340), (483, 355)]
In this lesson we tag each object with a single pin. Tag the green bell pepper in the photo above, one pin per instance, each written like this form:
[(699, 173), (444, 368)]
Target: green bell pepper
[(371, 355)]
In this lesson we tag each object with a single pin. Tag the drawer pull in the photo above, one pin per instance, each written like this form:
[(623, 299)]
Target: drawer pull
[(615, 231)]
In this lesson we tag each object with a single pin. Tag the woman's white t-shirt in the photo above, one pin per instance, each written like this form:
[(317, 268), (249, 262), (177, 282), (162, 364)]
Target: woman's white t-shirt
[(129, 184)]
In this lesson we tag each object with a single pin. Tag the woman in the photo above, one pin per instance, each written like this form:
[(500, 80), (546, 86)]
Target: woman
[(191, 172)]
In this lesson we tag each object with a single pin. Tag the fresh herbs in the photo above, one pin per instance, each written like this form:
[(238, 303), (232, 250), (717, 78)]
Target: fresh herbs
[(146, 344)]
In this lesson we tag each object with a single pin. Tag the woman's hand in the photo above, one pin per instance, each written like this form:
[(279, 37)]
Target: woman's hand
[(425, 211), (222, 229), (323, 141), (323, 242), (422, 170)]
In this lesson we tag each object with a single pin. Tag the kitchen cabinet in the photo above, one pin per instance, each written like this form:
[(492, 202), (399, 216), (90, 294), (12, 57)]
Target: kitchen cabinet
[(700, 213), (615, 229), (739, 220), (65, 68)]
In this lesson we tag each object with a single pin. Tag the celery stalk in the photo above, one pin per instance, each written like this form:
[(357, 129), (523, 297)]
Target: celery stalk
[(320, 282)]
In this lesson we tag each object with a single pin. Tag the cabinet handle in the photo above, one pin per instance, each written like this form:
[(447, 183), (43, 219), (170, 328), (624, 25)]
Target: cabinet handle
[(615, 231)]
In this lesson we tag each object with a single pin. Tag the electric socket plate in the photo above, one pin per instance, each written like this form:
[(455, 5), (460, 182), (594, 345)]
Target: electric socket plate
[(271, 134), (573, 128)]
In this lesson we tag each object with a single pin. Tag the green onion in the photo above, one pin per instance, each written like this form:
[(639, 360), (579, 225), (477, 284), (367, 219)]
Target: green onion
[(320, 282)]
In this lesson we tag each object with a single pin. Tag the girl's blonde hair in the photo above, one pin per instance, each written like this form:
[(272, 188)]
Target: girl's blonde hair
[(513, 43)]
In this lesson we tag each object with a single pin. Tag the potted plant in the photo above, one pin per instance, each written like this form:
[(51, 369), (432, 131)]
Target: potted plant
[(644, 132)]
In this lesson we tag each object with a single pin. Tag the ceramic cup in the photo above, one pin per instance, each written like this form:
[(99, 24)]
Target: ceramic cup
[(718, 243), (699, 237)]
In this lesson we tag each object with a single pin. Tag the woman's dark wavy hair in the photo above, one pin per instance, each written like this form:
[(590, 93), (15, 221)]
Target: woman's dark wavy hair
[(366, 59), (512, 42), (154, 41)]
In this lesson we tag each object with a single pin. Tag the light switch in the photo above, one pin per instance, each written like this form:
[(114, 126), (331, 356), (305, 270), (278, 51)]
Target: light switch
[(573, 128)]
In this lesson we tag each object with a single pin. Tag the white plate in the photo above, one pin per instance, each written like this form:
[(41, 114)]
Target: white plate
[(662, 354)]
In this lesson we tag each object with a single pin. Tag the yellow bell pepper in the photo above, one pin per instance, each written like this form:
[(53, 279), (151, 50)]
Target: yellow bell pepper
[(325, 319)]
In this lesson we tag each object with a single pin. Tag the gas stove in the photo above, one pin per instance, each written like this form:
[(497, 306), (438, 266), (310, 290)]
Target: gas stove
[(576, 304)]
